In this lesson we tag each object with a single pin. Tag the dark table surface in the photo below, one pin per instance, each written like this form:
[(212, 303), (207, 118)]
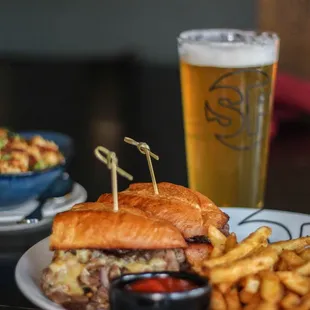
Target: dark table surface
[(100, 102)]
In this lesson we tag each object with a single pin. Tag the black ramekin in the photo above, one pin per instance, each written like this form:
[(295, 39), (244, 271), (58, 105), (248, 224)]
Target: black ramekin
[(123, 299)]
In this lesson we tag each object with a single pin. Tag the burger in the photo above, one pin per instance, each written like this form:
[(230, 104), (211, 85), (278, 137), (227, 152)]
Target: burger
[(189, 211), (92, 244)]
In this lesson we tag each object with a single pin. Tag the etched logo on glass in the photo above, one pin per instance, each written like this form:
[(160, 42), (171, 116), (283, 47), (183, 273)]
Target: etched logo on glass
[(242, 116)]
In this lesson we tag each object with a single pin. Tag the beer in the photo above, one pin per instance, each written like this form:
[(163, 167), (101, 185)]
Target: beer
[(227, 90)]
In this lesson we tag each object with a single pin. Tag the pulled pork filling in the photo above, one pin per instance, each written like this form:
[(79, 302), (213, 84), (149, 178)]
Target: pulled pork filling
[(205, 239), (80, 279), (199, 239)]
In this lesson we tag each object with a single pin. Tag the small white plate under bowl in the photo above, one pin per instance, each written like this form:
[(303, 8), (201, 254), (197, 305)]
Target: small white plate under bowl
[(285, 225), (9, 218)]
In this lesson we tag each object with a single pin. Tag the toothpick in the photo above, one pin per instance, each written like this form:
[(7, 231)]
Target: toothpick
[(145, 149), (112, 163)]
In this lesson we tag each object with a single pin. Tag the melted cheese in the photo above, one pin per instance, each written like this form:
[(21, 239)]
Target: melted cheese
[(67, 267), (83, 255), (158, 264), (137, 267), (66, 274)]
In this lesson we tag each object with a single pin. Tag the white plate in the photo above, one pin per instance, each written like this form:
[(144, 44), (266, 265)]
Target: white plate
[(50, 209), (242, 222), (285, 225)]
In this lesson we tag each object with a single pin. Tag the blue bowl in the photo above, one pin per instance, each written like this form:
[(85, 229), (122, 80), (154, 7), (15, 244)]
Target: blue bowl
[(19, 188)]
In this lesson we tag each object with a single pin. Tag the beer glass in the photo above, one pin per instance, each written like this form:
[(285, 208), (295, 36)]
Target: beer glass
[(227, 82)]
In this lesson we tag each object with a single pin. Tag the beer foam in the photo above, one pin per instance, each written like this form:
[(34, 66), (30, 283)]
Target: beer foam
[(228, 48)]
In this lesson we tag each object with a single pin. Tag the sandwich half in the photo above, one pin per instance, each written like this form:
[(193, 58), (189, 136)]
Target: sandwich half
[(189, 211), (92, 245)]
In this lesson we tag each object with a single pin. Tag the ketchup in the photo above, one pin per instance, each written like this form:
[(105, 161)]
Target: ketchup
[(161, 285)]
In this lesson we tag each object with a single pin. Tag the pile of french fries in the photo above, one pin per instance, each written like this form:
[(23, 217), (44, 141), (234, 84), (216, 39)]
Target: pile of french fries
[(254, 274)]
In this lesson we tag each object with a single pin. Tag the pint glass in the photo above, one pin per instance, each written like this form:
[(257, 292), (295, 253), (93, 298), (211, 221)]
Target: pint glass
[(227, 82)]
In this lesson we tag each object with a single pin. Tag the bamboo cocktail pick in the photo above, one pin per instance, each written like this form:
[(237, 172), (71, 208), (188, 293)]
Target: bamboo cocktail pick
[(145, 149), (109, 158)]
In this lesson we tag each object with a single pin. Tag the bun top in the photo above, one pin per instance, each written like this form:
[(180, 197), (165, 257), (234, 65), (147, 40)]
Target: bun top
[(96, 226), (191, 212)]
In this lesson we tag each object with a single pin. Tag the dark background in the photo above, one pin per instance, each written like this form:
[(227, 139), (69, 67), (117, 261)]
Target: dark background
[(101, 70)]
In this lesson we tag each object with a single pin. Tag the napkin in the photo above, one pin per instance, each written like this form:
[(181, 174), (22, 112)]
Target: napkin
[(291, 100)]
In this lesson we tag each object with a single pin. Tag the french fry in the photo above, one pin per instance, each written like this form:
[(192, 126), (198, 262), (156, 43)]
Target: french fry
[(292, 245), (217, 300), (267, 306), (281, 265), (252, 242), (300, 308), (292, 259), (249, 298), (251, 306), (242, 282), (251, 284), (224, 287), (304, 270), (255, 275), (216, 252), (289, 301), (305, 254), (198, 268), (305, 301), (244, 267), (217, 238), (271, 288), (231, 242), (232, 300), (294, 282)]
